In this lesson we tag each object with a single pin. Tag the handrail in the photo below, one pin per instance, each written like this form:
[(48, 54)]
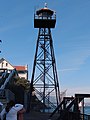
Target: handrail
[(7, 79)]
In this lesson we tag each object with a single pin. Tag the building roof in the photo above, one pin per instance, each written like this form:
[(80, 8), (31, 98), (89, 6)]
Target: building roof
[(20, 67), (2, 59)]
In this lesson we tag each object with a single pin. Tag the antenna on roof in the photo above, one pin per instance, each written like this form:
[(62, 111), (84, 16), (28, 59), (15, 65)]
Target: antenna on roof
[(45, 5)]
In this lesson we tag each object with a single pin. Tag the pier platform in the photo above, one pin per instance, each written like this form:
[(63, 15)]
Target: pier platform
[(34, 115)]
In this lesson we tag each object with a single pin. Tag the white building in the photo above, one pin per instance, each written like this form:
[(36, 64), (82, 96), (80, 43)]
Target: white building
[(22, 70)]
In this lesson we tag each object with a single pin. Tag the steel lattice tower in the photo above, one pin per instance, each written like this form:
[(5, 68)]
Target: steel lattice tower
[(44, 79)]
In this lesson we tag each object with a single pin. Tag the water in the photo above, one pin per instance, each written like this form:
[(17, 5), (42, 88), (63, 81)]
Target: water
[(87, 110)]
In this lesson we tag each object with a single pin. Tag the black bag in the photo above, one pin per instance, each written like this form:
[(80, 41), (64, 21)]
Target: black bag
[(4, 116)]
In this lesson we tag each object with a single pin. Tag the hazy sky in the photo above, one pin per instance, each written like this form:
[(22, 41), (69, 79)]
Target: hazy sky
[(71, 38)]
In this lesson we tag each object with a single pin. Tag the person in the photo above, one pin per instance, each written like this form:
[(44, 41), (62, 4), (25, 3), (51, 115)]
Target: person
[(11, 111), (1, 106), (21, 114)]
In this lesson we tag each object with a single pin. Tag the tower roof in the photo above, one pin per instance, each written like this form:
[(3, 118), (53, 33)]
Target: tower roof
[(45, 10)]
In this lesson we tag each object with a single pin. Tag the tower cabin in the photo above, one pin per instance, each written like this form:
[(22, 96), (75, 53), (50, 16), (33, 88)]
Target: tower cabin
[(44, 18)]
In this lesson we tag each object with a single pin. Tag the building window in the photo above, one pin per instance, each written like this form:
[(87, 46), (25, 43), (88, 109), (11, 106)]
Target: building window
[(21, 72), (23, 77), (2, 64), (6, 64)]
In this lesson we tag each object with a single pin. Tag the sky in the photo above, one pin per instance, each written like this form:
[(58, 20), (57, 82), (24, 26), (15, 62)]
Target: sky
[(71, 39)]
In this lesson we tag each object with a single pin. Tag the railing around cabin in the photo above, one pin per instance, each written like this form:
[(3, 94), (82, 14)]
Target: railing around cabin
[(53, 17)]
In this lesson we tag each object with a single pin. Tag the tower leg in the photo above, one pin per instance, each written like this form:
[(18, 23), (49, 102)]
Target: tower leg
[(44, 81)]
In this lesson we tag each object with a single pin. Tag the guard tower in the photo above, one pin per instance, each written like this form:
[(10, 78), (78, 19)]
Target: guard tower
[(44, 81)]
